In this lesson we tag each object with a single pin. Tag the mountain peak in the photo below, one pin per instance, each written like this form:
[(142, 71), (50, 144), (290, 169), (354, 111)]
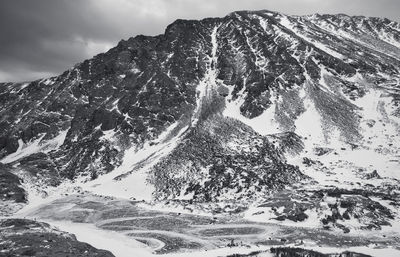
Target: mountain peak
[(262, 120)]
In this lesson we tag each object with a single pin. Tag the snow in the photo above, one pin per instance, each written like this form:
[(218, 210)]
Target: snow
[(133, 181), (265, 124), (135, 70), (373, 153), (206, 86), (384, 36), (17, 87), (225, 251), (37, 197), (47, 82), (267, 215), (35, 146), (23, 150), (119, 244), (375, 252), (365, 41), (284, 21), (377, 150), (375, 106), (322, 82), (115, 106), (309, 123), (108, 135), (260, 61), (124, 246), (134, 169), (24, 85)]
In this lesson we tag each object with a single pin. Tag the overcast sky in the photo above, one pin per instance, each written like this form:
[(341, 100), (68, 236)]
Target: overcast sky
[(42, 38)]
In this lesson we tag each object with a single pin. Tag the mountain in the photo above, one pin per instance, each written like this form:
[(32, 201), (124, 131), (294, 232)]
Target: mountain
[(280, 118)]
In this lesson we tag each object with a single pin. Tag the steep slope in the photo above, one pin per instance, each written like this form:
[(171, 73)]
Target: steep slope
[(218, 109)]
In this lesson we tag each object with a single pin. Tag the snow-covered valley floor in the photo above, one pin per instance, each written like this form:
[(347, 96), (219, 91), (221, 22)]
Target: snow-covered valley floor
[(128, 228)]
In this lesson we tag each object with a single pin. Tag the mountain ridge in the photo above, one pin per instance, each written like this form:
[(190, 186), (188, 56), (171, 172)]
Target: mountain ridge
[(262, 65)]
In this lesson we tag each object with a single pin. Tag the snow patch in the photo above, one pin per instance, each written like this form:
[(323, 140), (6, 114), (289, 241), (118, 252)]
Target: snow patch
[(108, 135), (265, 124), (35, 146), (309, 123), (119, 244)]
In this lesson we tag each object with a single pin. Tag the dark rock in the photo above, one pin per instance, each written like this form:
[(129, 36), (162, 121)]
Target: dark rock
[(299, 252), (10, 186), (319, 151), (372, 175)]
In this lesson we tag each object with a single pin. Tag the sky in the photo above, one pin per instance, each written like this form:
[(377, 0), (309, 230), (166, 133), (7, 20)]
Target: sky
[(42, 38)]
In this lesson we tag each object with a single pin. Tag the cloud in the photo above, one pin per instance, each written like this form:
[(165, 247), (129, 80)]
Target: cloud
[(45, 37)]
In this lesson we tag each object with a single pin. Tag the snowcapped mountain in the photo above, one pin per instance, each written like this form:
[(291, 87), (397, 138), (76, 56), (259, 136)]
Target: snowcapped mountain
[(285, 119)]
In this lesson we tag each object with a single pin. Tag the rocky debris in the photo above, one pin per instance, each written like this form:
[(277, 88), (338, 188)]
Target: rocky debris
[(373, 175), (22, 237), (287, 142), (299, 252), (331, 208), (319, 151), (371, 123), (309, 162), (41, 167), (223, 159), (358, 205)]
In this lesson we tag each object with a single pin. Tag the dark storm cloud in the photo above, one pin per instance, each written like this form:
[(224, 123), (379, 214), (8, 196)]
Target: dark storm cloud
[(44, 37)]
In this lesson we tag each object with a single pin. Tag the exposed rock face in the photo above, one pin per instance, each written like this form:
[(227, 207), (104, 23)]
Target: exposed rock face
[(10, 186), (12, 194), (202, 100)]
